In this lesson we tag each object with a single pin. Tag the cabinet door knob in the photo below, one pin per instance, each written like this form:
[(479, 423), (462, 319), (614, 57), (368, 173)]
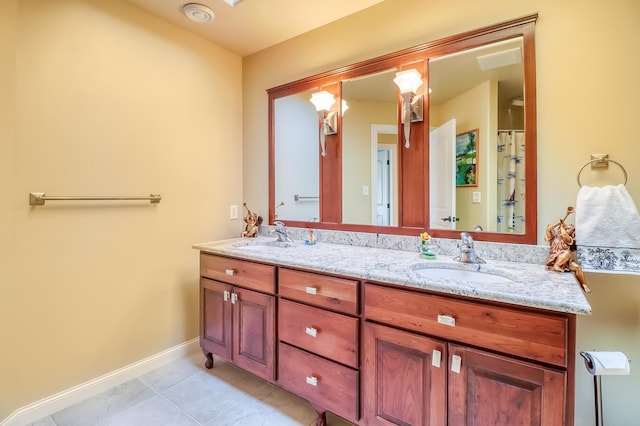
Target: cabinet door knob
[(311, 290), (311, 331), (230, 272), (447, 320), (456, 363), (226, 295), (313, 381), (234, 298)]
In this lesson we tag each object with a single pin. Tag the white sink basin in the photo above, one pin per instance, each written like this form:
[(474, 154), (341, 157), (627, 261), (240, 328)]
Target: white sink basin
[(463, 276), (263, 245)]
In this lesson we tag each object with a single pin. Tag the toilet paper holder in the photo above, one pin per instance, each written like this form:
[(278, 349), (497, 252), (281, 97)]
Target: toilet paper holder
[(606, 363), (599, 363)]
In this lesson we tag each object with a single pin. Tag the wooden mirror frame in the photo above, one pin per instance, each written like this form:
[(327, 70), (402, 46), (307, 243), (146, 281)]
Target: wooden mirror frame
[(414, 199)]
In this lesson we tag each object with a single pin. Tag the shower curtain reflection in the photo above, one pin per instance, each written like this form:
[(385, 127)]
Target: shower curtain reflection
[(510, 181)]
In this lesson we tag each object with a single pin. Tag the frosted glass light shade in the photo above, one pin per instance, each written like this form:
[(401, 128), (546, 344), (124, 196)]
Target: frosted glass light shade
[(322, 100), (408, 81)]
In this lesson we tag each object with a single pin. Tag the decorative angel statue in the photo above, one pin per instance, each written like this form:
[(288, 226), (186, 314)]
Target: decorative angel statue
[(561, 237), (253, 221)]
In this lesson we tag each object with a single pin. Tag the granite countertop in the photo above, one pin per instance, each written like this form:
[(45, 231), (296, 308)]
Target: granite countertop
[(526, 284)]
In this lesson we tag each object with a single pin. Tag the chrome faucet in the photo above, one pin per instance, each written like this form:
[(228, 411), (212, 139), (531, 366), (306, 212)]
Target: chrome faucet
[(467, 252), (281, 232)]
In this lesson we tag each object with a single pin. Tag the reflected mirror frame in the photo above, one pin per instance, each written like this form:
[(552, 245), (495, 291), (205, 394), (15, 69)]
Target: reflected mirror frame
[(520, 27)]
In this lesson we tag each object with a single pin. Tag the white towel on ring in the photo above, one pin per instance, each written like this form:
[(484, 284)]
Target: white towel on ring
[(607, 230), (607, 217)]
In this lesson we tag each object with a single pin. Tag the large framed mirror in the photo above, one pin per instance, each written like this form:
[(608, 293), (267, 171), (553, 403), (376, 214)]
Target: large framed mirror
[(471, 160)]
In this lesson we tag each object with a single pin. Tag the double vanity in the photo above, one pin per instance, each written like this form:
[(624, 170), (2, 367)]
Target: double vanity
[(380, 336), (360, 324)]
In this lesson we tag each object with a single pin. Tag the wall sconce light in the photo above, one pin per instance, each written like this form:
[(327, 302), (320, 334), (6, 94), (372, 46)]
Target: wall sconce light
[(412, 106), (323, 101)]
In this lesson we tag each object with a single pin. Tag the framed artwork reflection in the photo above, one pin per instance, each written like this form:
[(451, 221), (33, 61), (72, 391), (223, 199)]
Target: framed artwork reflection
[(467, 158)]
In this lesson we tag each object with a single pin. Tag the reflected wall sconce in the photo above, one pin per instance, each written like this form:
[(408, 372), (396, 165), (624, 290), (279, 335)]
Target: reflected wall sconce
[(412, 106), (323, 101)]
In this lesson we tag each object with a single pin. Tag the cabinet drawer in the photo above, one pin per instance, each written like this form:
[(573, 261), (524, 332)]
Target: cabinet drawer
[(338, 294), (324, 383), (536, 336), (250, 275), (325, 333)]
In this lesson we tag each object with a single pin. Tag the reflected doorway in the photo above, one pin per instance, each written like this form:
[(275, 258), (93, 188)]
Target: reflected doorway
[(384, 174)]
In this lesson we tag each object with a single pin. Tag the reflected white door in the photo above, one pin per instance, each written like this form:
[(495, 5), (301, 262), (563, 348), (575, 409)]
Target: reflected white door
[(442, 176), (383, 198)]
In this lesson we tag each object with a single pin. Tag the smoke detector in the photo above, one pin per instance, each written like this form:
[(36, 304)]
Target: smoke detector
[(198, 13)]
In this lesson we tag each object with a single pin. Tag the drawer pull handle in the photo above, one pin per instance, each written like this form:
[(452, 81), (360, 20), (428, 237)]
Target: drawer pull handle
[(311, 290), (447, 320), (226, 295), (456, 363), (311, 331), (313, 381), (436, 358), (230, 272), (234, 298)]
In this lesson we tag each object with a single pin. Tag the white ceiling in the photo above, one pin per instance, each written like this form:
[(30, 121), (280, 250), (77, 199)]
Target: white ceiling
[(253, 25)]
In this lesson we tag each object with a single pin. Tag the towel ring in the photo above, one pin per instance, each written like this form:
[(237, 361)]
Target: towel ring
[(597, 160)]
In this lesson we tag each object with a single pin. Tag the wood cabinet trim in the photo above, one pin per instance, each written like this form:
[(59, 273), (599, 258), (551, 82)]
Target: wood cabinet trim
[(530, 335), (330, 292)]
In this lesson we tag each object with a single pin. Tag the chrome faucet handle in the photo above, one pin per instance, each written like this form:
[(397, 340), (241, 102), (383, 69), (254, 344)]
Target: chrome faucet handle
[(466, 239), (281, 232), (467, 252)]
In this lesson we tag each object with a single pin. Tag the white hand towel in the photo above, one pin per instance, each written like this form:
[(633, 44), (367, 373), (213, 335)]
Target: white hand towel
[(607, 229), (607, 216)]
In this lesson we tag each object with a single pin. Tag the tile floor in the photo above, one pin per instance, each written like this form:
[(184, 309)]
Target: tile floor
[(184, 393)]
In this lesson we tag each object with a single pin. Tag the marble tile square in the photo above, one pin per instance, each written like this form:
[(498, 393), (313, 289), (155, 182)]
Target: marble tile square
[(290, 405), (205, 395), (253, 412), (154, 411), (47, 421), (239, 378), (174, 372), (91, 411)]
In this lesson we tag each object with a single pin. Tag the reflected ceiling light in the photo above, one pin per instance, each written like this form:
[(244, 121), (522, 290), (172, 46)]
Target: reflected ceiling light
[(517, 102), (323, 101), (412, 106), (232, 2), (198, 13)]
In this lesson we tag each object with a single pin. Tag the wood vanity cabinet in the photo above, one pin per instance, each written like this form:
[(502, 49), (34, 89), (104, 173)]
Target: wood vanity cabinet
[(420, 358), (433, 360), (319, 340), (237, 313)]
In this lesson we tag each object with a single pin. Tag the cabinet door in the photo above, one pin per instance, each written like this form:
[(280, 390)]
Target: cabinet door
[(495, 390), (404, 384), (215, 317), (254, 332)]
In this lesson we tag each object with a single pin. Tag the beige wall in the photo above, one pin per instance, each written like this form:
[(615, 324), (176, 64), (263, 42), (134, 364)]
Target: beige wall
[(9, 309), (101, 98), (356, 163), (588, 94)]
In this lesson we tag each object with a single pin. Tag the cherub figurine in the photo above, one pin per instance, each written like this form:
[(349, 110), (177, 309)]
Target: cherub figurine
[(253, 221), (561, 237)]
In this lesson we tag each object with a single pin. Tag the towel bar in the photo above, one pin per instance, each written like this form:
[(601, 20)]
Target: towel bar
[(301, 197), (600, 160), (38, 198)]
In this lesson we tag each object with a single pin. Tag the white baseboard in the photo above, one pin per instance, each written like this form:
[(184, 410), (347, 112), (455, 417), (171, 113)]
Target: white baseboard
[(54, 403)]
